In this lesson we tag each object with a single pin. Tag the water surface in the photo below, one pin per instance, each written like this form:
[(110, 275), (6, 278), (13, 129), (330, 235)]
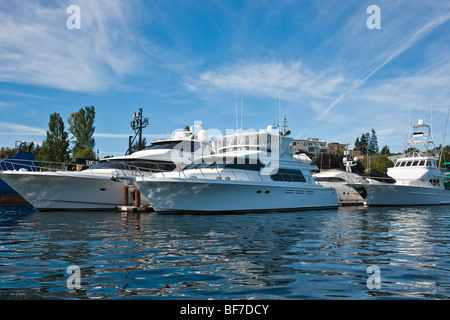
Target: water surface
[(323, 254)]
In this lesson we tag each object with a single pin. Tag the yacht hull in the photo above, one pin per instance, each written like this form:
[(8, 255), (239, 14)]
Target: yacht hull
[(402, 195), (221, 196), (347, 196), (66, 190)]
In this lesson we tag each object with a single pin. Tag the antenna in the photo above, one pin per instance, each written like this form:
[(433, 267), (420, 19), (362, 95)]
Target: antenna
[(242, 112), (279, 109), (236, 116), (431, 121)]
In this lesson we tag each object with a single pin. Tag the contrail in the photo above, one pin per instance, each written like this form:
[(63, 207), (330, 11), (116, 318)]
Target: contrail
[(407, 44)]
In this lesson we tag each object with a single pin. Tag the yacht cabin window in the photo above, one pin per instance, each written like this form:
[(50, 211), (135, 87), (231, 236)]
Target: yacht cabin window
[(288, 176), (240, 164), (186, 145), (420, 163)]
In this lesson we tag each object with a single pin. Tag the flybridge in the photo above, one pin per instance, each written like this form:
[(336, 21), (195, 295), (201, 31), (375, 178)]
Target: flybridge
[(421, 136), (269, 140)]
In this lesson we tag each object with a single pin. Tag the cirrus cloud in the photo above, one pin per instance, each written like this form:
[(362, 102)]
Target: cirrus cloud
[(292, 80)]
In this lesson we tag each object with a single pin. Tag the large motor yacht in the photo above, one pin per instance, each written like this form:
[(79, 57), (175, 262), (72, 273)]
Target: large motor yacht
[(251, 172), (94, 188), (418, 180)]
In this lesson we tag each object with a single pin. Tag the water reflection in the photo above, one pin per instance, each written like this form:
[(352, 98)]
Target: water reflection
[(297, 255)]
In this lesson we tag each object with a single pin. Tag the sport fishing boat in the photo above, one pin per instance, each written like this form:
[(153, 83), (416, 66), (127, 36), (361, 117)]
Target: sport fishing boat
[(251, 172), (94, 188), (418, 180)]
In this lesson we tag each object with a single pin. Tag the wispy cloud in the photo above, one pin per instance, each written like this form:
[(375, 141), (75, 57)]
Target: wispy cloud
[(404, 46), (111, 135), (15, 129), (291, 80), (37, 48)]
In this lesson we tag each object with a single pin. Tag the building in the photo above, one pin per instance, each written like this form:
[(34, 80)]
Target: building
[(310, 145), (337, 148)]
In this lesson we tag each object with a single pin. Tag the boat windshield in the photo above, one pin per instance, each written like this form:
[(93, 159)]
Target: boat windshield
[(182, 144), (329, 179), (288, 175), (252, 165), (132, 164), (108, 165)]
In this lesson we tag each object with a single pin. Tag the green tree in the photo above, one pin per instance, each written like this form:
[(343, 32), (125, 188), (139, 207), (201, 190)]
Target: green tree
[(385, 150), (55, 147), (373, 143), (82, 130), (380, 163), (364, 143), (367, 143), (357, 144), (135, 147)]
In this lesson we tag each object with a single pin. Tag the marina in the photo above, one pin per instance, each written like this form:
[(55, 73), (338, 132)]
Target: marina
[(201, 230), (291, 150)]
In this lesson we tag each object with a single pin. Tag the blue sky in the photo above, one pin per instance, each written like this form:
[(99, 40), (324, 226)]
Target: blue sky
[(186, 61)]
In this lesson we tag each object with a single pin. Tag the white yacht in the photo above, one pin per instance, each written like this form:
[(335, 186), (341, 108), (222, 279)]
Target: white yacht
[(338, 179), (94, 188), (252, 172), (418, 180)]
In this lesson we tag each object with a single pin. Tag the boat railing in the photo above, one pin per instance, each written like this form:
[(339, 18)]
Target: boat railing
[(35, 165), (120, 168), (127, 170), (213, 170)]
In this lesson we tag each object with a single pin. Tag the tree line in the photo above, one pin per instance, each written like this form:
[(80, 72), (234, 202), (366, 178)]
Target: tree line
[(57, 146)]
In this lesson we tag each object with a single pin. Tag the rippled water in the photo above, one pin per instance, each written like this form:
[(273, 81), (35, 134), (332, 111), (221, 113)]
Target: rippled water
[(297, 255)]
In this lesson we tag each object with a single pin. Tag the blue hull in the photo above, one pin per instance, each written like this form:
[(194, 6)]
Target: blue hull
[(20, 160)]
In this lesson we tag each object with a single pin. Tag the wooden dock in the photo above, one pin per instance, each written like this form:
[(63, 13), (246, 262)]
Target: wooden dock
[(136, 207), (130, 209)]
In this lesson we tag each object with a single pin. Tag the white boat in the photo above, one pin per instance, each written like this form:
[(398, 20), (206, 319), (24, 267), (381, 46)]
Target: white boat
[(94, 188), (252, 172), (418, 180), (338, 179)]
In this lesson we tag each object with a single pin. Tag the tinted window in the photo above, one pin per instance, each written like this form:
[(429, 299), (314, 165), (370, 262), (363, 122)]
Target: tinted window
[(330, 179), (162, 145), (288, 176), (248, 164)]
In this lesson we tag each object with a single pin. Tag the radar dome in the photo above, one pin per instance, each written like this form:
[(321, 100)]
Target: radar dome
[(202, 135)]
